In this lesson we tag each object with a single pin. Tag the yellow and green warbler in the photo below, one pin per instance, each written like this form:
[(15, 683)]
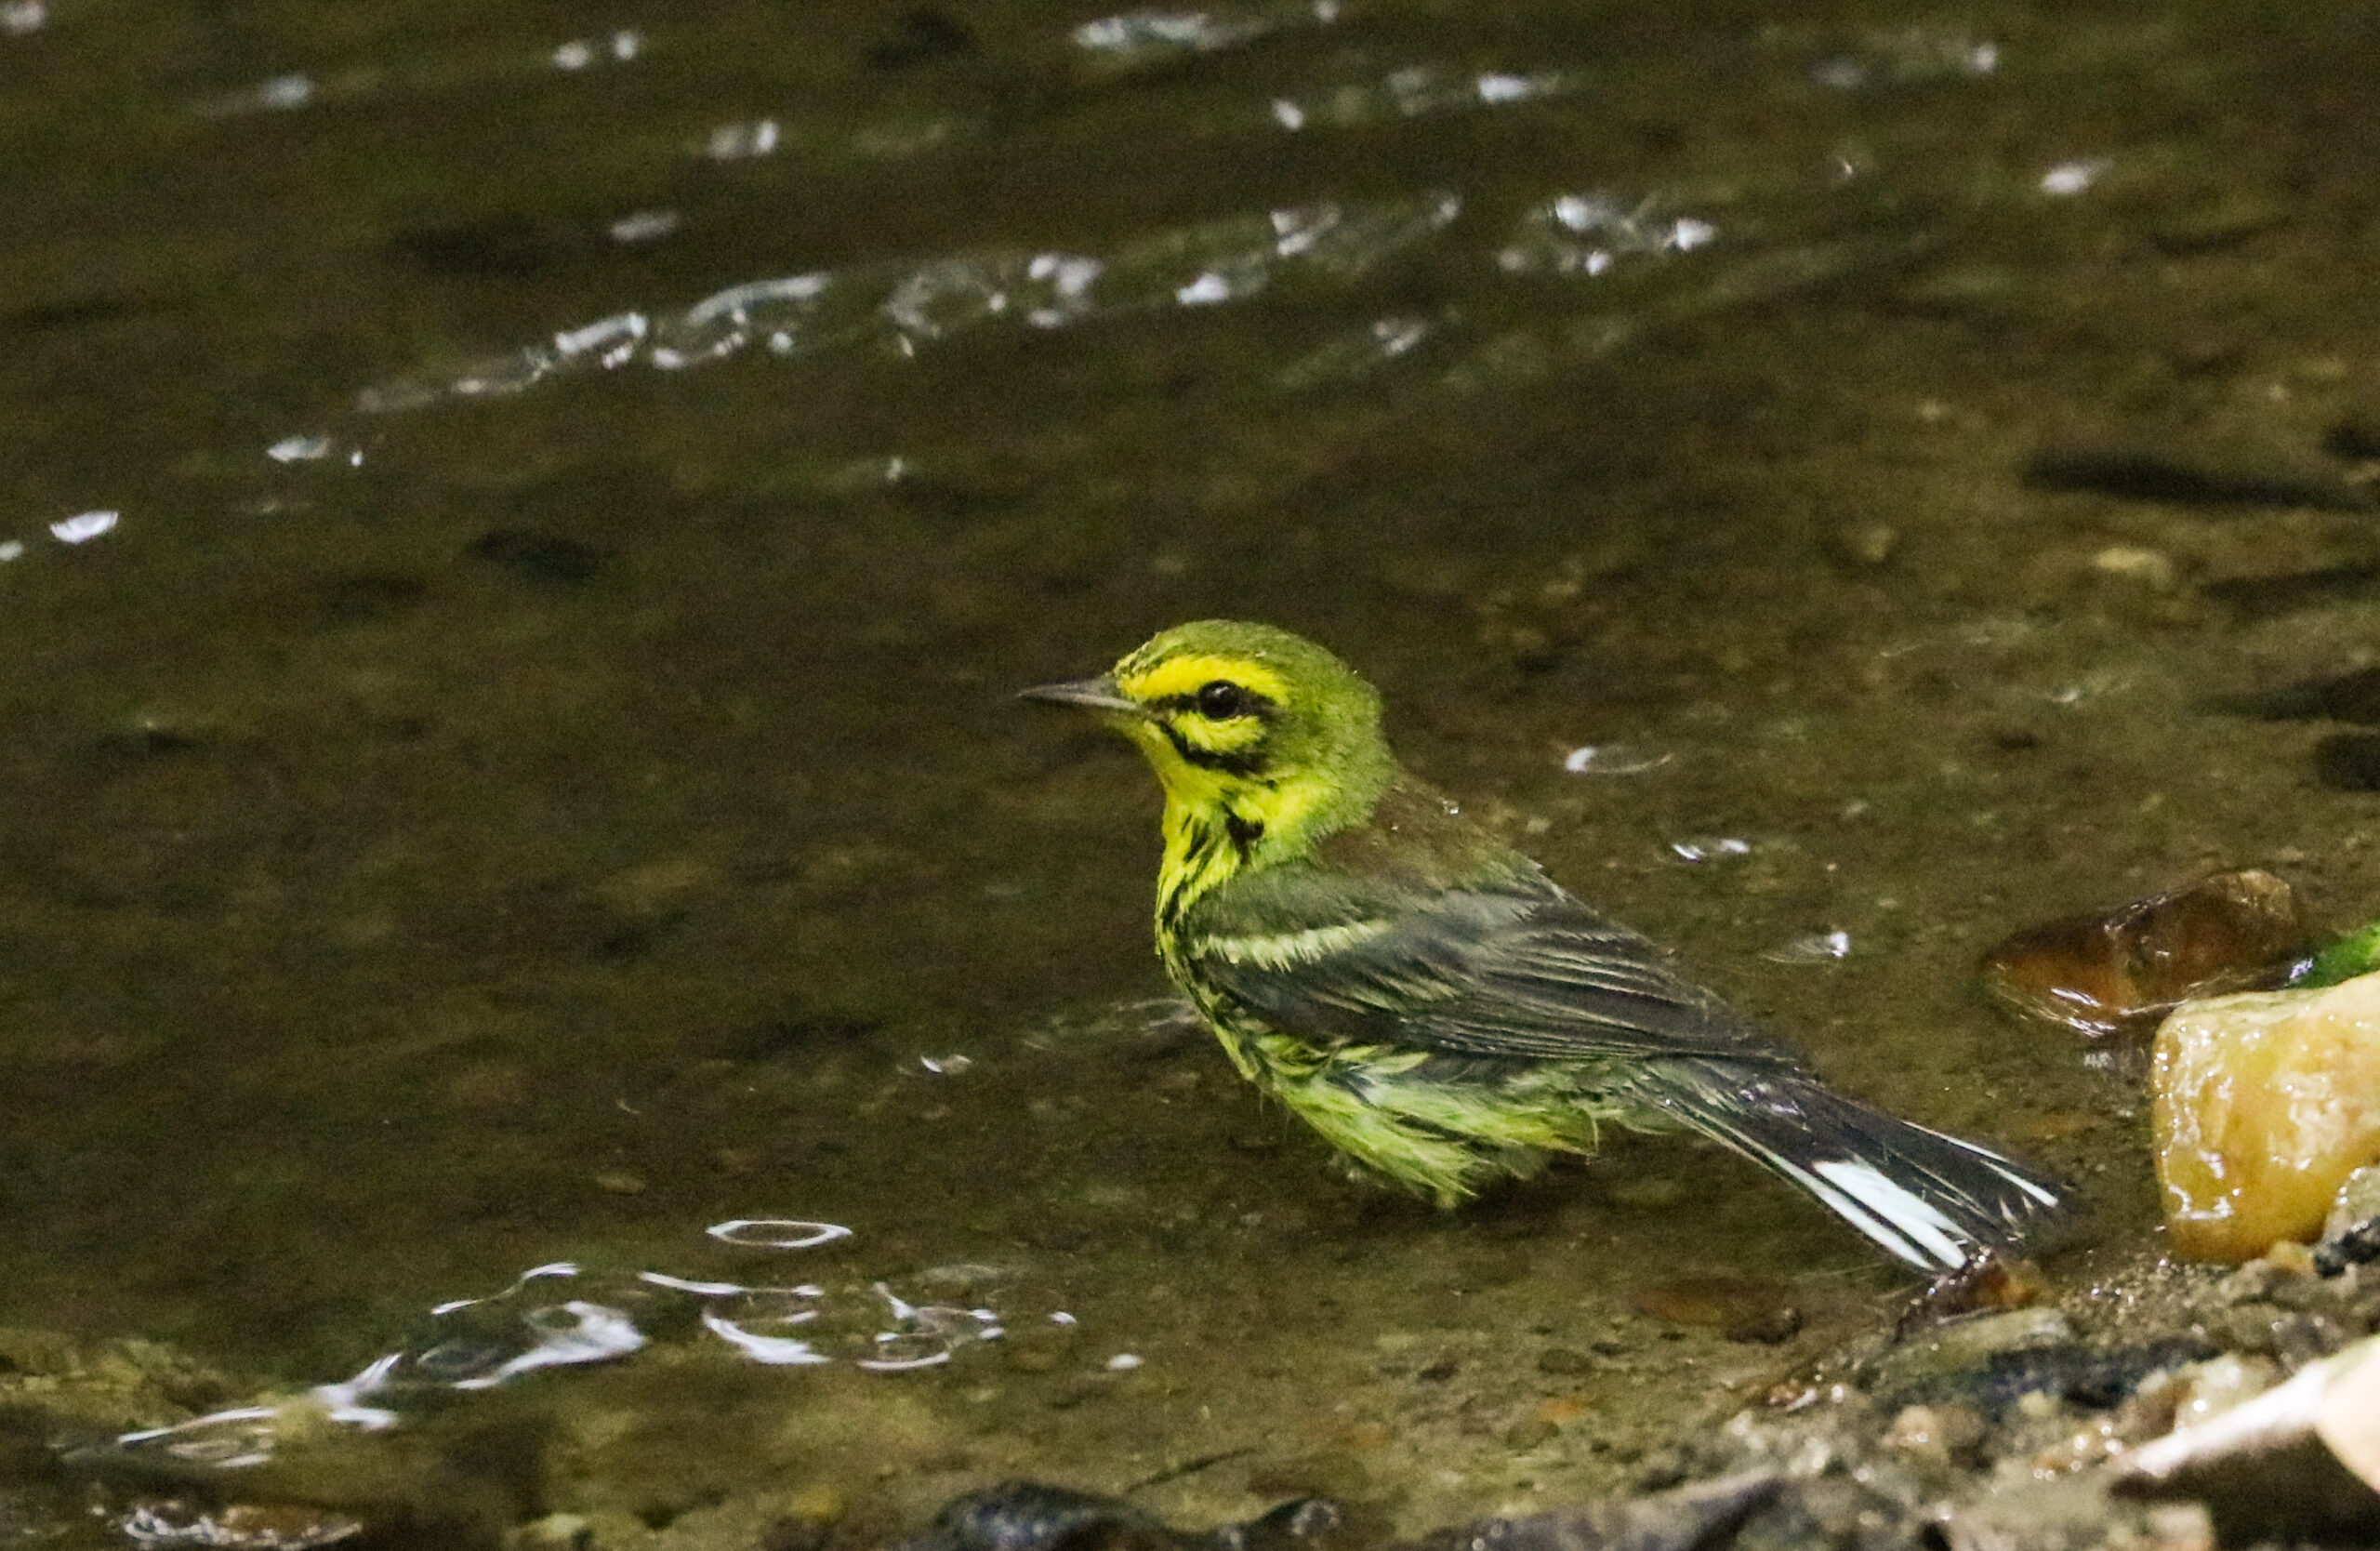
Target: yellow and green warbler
[(1433, 1004)]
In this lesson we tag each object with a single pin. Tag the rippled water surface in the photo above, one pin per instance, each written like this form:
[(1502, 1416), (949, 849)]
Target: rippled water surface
[(520, 524)]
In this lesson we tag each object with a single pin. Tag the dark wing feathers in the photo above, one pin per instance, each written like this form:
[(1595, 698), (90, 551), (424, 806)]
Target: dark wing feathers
[(1512, 967)]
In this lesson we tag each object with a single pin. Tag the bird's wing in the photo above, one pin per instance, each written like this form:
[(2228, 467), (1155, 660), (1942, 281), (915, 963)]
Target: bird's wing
[(1513, 967)]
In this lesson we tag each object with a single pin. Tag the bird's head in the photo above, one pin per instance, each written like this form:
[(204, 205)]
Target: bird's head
[(1264, 725)]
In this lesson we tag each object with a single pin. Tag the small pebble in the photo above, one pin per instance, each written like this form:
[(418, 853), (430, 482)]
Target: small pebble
[(1740, 1310), (1529, 1432)]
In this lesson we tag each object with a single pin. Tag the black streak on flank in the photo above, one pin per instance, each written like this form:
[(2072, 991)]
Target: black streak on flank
[(1244, 832)]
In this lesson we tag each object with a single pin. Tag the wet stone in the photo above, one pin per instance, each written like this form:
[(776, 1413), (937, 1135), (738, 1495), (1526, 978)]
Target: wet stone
[(1936, 1433), (148, 737), (2339, 697), (556, 1531), (790, 1533), (2351, 1233), (1564, 1362), (1740, 1310), (926, 35), (2123, 972), (2348, 761), (237, 1525), (2355, 435), (499, 247), (545, 558), (1029, 1516), (368, 597), (2147, 473), (1698, 1515), (1950, 1351), (78, 313), (1863, 546), (2219, 222), (2262, 1105), (1530, 1431), (2266, 597)]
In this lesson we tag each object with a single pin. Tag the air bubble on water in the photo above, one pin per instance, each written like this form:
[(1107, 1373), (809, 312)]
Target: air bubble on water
[(707, 1289), (1710, 848), (776, 1351), (929, 1333), (84, 526), (535, 1273), (285, 92), (776, 1233), (571, 1332), (1214, 286), (1613, 758), (741, 141), (1591, 233), (1816, 948), (2068, 179), (643, 226), (233, 1439)]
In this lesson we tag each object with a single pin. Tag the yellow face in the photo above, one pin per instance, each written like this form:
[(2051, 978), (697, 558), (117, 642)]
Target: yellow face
[(1257, 736), (1204, 720)]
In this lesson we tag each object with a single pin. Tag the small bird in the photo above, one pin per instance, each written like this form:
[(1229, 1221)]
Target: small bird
[(1434, 1004)]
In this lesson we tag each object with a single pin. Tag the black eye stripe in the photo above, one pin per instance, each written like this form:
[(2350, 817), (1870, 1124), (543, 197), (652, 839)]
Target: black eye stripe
[(1248, 703)]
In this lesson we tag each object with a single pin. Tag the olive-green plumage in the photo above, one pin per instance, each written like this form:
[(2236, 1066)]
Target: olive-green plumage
[(1428, 1000)]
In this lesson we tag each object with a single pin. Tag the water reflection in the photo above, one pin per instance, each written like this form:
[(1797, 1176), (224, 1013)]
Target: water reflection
[(1589, 234), (1132, 39), (579, 53), (903, 305), (1614, 759), (1906, 57), (1407, 93), (563, 1314), (84, 526)]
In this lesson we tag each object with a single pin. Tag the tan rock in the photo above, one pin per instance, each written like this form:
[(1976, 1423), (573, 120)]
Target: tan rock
[(2262, 1105)]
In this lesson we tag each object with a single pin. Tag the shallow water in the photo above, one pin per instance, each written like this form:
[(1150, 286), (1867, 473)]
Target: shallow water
[(527, 773)]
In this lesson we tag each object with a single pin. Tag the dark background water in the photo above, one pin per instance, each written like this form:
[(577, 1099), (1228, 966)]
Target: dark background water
[(529, 773)]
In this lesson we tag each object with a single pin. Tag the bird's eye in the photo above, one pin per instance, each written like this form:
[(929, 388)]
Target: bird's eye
[(1220, 700)]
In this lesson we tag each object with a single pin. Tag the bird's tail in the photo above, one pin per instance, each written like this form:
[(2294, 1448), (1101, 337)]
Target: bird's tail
[(1934, 1200)]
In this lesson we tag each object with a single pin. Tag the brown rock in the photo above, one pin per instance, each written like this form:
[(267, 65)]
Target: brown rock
[(2123, 972)]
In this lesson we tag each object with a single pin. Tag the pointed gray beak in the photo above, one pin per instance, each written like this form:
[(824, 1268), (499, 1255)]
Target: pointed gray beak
[(1099, 694)]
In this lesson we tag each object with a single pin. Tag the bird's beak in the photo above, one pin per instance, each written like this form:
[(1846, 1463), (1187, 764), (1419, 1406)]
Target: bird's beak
[(1099, 694)]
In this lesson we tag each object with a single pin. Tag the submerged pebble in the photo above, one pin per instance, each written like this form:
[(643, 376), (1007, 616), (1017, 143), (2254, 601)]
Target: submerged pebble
[(2263, 1104), (2120, 973), (1740, 1310)]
